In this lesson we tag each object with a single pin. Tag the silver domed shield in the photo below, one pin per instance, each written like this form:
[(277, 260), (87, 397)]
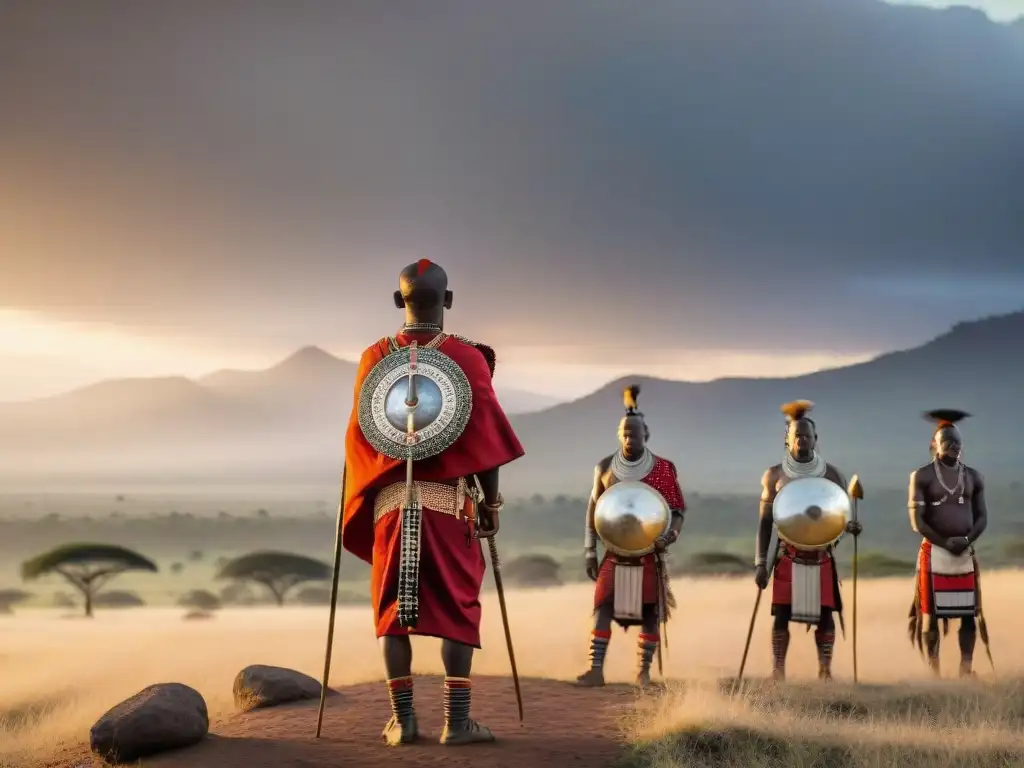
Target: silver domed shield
[(811, 512), (445, 402), (629, 518)]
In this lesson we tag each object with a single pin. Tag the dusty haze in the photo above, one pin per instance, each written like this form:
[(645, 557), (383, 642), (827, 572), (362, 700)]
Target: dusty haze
[(92, 665), (285, 424)]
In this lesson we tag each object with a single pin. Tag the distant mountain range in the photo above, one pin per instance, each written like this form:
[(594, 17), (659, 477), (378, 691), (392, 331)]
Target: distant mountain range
[(286, 424), (283, 421), (723, 434)]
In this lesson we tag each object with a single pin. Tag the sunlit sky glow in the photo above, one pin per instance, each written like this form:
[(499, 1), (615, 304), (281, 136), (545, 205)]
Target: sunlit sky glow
[(44, 357), (189, 186)]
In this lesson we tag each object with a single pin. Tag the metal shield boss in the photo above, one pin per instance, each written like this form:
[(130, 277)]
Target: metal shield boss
[(630, 517), (445, 404), (811, 512)]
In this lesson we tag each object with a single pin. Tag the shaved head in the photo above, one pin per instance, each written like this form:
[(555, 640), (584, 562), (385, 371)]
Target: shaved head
[(423, 292), (633, 435), (802, 439), (947, 444)]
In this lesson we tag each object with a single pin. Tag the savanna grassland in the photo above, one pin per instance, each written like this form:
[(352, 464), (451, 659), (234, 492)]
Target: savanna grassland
[(60, 672), (189, 535)]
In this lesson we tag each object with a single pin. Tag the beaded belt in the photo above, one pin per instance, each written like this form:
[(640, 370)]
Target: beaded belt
[(446, 499), (623, 560), (804, 556)]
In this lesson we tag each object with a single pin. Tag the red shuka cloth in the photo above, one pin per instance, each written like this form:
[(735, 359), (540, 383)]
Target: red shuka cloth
[(451, 568), (782, 579), (664, 479)]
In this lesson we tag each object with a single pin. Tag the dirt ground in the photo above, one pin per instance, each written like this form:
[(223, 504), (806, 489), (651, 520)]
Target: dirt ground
[(563, 725)]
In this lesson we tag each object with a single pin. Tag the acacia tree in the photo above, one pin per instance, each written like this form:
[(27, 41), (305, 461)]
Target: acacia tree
[(532, 571), (200, 600), (87, 567), (277, 571), (11, 597)]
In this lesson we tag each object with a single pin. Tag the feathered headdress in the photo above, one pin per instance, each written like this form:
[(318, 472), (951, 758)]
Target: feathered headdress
[(796, 410), (943, 418), (629, 399), (946, 417)]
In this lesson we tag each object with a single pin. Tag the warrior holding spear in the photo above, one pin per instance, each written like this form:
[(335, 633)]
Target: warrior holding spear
[(631, 590), (947, 508), (424, 445), (805, 583)]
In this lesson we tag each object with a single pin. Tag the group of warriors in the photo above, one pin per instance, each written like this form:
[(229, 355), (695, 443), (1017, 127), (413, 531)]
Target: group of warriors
[(420, 494)]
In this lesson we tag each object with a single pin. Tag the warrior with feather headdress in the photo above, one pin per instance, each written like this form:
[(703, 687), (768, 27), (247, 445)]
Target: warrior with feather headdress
[(805, 582), (947, 508), (628, 589)]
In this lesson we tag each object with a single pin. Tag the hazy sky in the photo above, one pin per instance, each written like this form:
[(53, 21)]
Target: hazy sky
[(688, 189)]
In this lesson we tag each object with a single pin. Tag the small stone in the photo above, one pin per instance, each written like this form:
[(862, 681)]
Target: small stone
[(157, 719), (260, 686)]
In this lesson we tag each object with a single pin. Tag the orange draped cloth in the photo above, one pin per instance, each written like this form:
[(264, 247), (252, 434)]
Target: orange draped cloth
[(451, 565)]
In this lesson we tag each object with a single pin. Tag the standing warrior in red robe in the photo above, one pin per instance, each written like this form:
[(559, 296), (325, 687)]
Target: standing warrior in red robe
[(619, 594), (947, 508), (805, 586), (427, 582)]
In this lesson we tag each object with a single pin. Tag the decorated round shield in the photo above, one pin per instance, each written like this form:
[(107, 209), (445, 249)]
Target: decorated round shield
[(444, 402), (811, 512), (629, 518)]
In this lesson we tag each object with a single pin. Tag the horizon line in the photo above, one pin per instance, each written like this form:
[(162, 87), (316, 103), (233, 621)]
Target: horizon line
[(559, 400), (320, 350)]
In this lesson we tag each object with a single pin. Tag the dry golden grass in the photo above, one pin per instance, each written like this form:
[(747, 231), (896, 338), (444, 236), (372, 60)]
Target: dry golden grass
[(914, 724), (57, 675), (897, 716)]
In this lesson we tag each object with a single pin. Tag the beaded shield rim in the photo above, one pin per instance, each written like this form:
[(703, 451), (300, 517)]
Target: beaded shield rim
[(456, 397), (626, 485)]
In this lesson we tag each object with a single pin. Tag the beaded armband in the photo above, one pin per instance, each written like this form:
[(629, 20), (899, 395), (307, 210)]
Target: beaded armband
[(496, 507)]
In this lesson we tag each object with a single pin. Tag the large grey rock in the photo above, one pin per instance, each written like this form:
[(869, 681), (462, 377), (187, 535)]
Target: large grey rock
[(261, 686), (156, 719)]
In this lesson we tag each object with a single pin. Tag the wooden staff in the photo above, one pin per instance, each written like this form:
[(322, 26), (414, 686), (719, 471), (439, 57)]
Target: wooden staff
[(856, 492), (338, 545), (753, 620), (662, 605), (500, 588)]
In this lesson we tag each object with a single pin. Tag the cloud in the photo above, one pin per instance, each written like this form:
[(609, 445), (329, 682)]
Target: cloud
[(997, 10), (710, 174)]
